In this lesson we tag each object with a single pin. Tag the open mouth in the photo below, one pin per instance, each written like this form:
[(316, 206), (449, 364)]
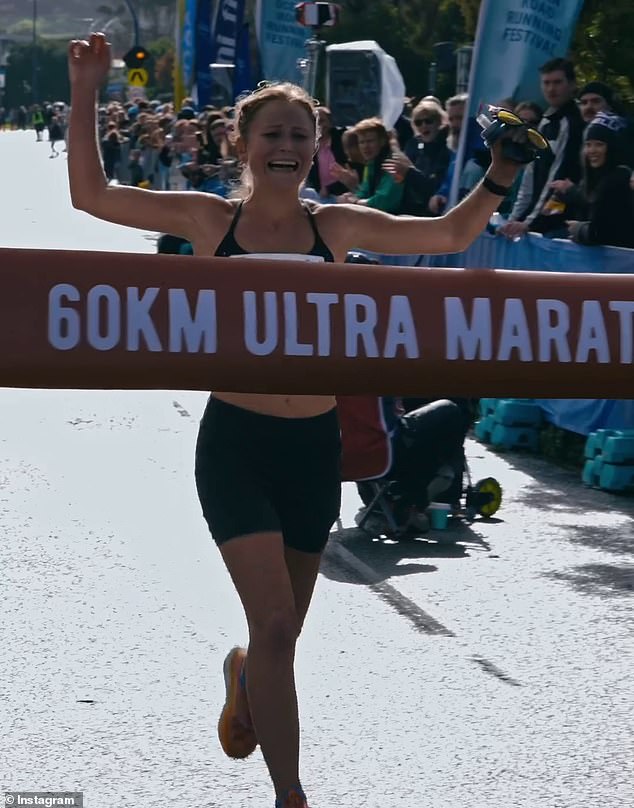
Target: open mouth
[(284, 166)]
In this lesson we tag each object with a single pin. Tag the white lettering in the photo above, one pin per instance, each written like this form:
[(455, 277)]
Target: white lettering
[(515, 334), (112, 304), (555, 332), (202, 330), (468, 339), (249, 305), (625, 308), (323, 301), (593, 335), (401, 329), (360, 327), (292, 346), (139, 321), (63, 322)]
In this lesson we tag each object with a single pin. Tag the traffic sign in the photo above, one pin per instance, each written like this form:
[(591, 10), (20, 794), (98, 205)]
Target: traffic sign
[(138, 77)]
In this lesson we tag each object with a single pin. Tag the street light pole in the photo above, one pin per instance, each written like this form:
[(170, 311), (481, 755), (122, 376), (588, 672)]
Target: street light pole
[(135, 21), (34, 93)]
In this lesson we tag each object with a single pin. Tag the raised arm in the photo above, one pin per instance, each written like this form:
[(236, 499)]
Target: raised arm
[(454, 232), (175, 213)]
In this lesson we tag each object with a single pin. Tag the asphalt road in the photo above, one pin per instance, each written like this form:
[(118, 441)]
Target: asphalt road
[(495, 672)]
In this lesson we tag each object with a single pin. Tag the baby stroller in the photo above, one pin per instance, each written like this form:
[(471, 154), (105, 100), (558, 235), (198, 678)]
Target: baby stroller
[(401, 461)]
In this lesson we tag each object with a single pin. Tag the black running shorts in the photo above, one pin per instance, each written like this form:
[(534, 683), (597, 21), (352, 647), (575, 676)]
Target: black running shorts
[(261, 473)]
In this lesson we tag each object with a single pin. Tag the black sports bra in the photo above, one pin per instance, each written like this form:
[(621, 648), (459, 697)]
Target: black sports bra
[(229, 246)]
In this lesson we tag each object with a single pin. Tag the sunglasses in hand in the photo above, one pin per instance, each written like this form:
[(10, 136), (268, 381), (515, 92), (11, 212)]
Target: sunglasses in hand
[(521, 143)]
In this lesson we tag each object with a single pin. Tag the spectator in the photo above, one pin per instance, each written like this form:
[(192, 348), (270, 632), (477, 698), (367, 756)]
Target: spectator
[(55, 134), (529, 112), (595, 97), (455, 107), (323, 174), (424, 163), (378, 189), (111, 151), (351, 172), (599, 208), (135, 168), (562, 127), (38, 122)]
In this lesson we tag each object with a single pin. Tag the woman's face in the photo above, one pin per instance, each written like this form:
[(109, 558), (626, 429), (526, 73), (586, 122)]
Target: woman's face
[(218, 133), (529, 117), (370, 144), (426, 125), (324, 122), (595, 152), (280, 143)]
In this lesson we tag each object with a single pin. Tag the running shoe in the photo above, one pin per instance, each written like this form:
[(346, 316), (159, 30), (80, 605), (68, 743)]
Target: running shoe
[(295, 798), (237, 738)]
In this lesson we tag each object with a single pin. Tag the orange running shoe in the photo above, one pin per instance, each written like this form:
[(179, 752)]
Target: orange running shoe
[(237, 739), (295, 798)]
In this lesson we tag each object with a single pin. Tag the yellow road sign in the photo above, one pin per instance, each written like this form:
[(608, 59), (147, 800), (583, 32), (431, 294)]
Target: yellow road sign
[(137, 77)]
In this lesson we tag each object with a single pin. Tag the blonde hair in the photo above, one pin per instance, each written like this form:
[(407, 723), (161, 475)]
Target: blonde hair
[(433, 109), (371, 125), (247, 108)]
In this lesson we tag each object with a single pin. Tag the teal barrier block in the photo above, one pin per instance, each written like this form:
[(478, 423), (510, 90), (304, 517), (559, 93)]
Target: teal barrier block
[(588, 476), (518, 412), (488, 405), (515, 437), (619, 449), (617, 478), (483, 428)]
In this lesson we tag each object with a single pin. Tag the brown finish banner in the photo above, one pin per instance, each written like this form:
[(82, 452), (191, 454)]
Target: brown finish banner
[(126, 321)]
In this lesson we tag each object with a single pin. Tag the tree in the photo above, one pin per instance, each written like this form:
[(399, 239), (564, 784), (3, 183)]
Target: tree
[(52, 76)]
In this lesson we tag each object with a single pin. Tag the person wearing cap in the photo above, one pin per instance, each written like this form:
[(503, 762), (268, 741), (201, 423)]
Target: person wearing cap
[(600, 210), (594, 98)]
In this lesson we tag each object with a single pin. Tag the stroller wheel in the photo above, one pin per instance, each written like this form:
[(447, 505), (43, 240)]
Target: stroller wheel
[(485, 497)]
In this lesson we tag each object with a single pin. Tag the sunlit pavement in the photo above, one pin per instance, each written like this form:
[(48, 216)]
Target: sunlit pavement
[(493, 672)]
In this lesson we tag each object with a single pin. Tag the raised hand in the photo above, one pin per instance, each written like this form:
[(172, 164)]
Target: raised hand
[(89, 62)]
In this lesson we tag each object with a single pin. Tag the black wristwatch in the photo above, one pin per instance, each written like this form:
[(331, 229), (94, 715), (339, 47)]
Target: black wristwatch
[(494, 188)]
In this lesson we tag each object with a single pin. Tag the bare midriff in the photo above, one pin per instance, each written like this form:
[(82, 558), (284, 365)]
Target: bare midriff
[(279, 406)]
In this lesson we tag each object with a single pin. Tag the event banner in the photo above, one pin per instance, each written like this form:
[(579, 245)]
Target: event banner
[(243, 77), (513, 39), (227, 30), (204, 54), (188, 44), (101, 320), (179, 85), (281, 40)]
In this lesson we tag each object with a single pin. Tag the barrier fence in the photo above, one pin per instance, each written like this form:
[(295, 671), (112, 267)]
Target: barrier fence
[(534, 252)]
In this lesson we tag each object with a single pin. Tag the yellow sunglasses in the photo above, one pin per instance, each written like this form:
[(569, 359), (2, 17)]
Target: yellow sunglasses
[(537, 140)]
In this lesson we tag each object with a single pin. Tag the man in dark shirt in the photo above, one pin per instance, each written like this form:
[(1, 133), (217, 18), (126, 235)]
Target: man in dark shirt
[(562, 126)]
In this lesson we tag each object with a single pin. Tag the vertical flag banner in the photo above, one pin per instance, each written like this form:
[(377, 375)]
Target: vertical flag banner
[(227, 29), (203, 52), (243, 78), (188, 44), (281, 40), (514, 38), (179, 88)]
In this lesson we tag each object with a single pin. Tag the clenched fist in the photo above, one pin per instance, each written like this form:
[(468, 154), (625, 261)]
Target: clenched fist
[(89, 62)]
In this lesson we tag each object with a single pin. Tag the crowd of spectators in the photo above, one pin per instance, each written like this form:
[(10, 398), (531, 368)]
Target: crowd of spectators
[(582, 190)]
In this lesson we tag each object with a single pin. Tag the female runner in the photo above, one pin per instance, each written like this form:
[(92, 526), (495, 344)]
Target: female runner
[(267, 466)]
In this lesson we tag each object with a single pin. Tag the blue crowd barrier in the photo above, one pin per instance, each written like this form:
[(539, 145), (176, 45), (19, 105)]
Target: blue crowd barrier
[(534, 252), (531, 252)]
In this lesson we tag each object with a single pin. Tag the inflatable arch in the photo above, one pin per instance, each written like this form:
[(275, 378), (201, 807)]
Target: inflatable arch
[(125, 321)]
